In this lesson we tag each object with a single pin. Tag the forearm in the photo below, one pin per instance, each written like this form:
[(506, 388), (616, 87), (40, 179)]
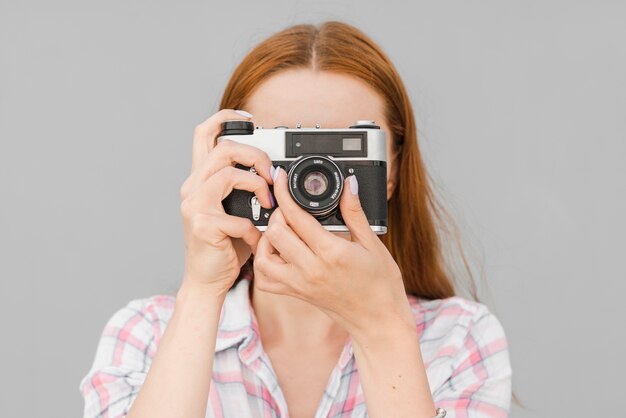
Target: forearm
[(177, 384), (391, 370)]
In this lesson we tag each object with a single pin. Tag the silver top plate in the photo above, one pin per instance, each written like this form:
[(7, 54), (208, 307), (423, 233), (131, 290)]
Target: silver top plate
[(272, 141)]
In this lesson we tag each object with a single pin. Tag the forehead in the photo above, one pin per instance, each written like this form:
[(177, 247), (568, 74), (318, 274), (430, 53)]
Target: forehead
[(309, 97)]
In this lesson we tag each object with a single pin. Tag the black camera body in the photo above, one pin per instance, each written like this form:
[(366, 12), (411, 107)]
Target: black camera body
[(317, 161)]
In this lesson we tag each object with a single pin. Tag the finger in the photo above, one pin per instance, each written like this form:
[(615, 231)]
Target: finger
[(206, 132), (291, 248), (227, 153), (269, 268), (316, 237), (228, 225), (353, 215), (211, 193)]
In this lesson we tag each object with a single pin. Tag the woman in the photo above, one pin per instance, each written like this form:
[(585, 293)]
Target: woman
[(299, 321)]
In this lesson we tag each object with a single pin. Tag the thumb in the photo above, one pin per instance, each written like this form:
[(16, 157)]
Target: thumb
[(352, 212)]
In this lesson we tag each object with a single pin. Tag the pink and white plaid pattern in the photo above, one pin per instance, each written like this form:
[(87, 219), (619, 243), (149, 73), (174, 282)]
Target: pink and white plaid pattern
[(463, 345)]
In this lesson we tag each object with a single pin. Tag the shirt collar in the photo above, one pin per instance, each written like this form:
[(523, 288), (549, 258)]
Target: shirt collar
[(238, 326)]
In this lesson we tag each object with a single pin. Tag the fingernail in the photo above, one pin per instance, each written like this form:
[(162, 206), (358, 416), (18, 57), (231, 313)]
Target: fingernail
[(275, 175), (354, 184), (244, 113), (272, 200), (272, 169)]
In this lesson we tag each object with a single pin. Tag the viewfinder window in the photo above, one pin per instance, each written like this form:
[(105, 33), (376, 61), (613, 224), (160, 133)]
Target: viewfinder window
[(351, 144)]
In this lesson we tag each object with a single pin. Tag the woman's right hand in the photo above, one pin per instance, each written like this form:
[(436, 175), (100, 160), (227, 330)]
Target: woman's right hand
[(217, 244)]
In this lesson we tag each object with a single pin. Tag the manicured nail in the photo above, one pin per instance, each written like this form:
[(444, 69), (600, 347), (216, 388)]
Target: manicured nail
[(244, 113), (272, 200), (354, 185), (275, 175), (272, 169)]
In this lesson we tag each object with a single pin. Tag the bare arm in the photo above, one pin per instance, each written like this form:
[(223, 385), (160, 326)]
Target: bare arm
[(177, 384), (392, 372)]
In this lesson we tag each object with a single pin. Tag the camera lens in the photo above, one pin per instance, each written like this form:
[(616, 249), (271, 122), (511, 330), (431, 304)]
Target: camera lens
[(316, 183)]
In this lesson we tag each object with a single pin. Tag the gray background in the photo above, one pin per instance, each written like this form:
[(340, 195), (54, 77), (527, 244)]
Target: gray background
[(521, 108)]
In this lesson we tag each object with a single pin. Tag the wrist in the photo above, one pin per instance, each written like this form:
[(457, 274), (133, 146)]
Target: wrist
[(191, 291), (386, 329), (388, 320), (198, 308)]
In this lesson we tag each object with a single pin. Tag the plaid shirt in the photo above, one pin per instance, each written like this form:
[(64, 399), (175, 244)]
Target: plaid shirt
[(463, 347)]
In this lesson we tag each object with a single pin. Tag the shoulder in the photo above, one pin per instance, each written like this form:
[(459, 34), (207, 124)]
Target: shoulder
[(124, 353), (152, 309), (140, 321), (132, 333), (455, 314), (466, 356), (456, 330)]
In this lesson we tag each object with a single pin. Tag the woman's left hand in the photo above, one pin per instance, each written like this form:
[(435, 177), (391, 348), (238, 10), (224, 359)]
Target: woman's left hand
[(356, 282)]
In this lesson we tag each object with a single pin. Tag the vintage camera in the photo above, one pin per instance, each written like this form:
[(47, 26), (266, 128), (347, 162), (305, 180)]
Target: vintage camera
[(316, 161)]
